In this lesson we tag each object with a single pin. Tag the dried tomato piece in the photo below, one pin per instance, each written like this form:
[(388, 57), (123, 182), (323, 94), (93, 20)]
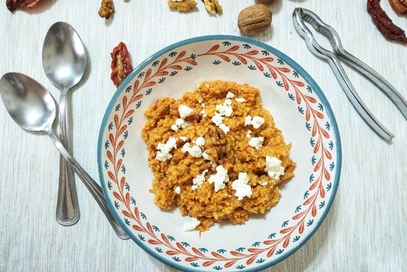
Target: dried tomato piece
[(12, 5), (121, 64), (384, 24)]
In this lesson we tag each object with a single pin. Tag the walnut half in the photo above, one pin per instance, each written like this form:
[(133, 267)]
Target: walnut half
[(182, 5), (399, 6), (212, 6), (106, 9), (215, 144)]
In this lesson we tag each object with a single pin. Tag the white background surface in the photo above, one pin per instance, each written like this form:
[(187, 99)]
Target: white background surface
[(366, 228)]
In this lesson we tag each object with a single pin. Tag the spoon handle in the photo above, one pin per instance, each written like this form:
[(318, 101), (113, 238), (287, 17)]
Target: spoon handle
[(92, 186), (67, 212)]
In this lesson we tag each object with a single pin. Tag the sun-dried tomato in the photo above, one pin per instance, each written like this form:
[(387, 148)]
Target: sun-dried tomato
[(384, 24), (121, 64), (12, 5)]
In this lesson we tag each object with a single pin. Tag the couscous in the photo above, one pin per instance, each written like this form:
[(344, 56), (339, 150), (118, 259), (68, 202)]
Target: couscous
[(216, 154)]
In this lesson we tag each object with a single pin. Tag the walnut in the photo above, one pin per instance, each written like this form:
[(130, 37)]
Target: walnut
[(12, 5), (399, 6), (182, 5), (266, 2), (212, 6), (215, 144), (254, 19), (106, 9)]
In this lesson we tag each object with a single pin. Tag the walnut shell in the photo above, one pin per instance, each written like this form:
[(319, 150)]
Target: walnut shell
[(266, 2), (254, 19)]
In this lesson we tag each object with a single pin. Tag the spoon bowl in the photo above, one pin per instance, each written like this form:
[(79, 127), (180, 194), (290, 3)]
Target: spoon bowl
[(33, 108), (63, 56), (27, 103)]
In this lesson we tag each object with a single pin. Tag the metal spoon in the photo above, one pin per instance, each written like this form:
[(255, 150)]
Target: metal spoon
[(64, 63), (33, 108)]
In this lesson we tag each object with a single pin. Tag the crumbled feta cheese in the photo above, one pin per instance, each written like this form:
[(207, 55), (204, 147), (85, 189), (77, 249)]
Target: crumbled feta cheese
[(230, 95), (256, 121), (225, 128), (273, 167), (241, 186), (220, 178), (198, 180), (185, 111), (203, 113), (200, 141), (205, 156), (195, 151), (248, 134), (217, 119), (179, 123), (248, 120), (225, 109), (163, 150), (177, 190), (191, 225), (227, 102), (256, 142), (240, 100)]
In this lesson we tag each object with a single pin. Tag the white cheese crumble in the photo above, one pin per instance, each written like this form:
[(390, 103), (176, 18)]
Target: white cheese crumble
[(200, 141), (230, 95), (256, 142), (217, 119), (220, 178), (198, 180), (256, 121), (185, 111), (191, 225), (205, 156), (177, 190), (225, 109), (248, 134), (163, 150), (273, 167), (195, 151), (225, 128), (179, 123), (240, 100), (241, 186)]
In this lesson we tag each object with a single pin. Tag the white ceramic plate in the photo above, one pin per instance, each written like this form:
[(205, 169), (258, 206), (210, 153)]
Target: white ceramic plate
[(300, 110)]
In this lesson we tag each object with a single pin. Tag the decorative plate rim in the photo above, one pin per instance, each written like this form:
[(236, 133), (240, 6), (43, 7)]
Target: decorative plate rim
[(259, 44)]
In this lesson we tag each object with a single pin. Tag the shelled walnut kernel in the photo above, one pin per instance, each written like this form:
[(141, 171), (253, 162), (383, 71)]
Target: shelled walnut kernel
[(182, 5)]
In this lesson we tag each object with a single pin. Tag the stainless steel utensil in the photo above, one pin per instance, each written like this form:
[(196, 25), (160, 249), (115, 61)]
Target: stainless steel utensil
[(300, 16), (33, 108), (64, 63)]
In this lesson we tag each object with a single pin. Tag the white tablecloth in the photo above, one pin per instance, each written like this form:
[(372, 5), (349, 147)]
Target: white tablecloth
[(366, 228)]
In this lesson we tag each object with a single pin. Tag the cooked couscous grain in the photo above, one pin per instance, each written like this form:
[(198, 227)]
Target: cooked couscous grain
[(216, 153)]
